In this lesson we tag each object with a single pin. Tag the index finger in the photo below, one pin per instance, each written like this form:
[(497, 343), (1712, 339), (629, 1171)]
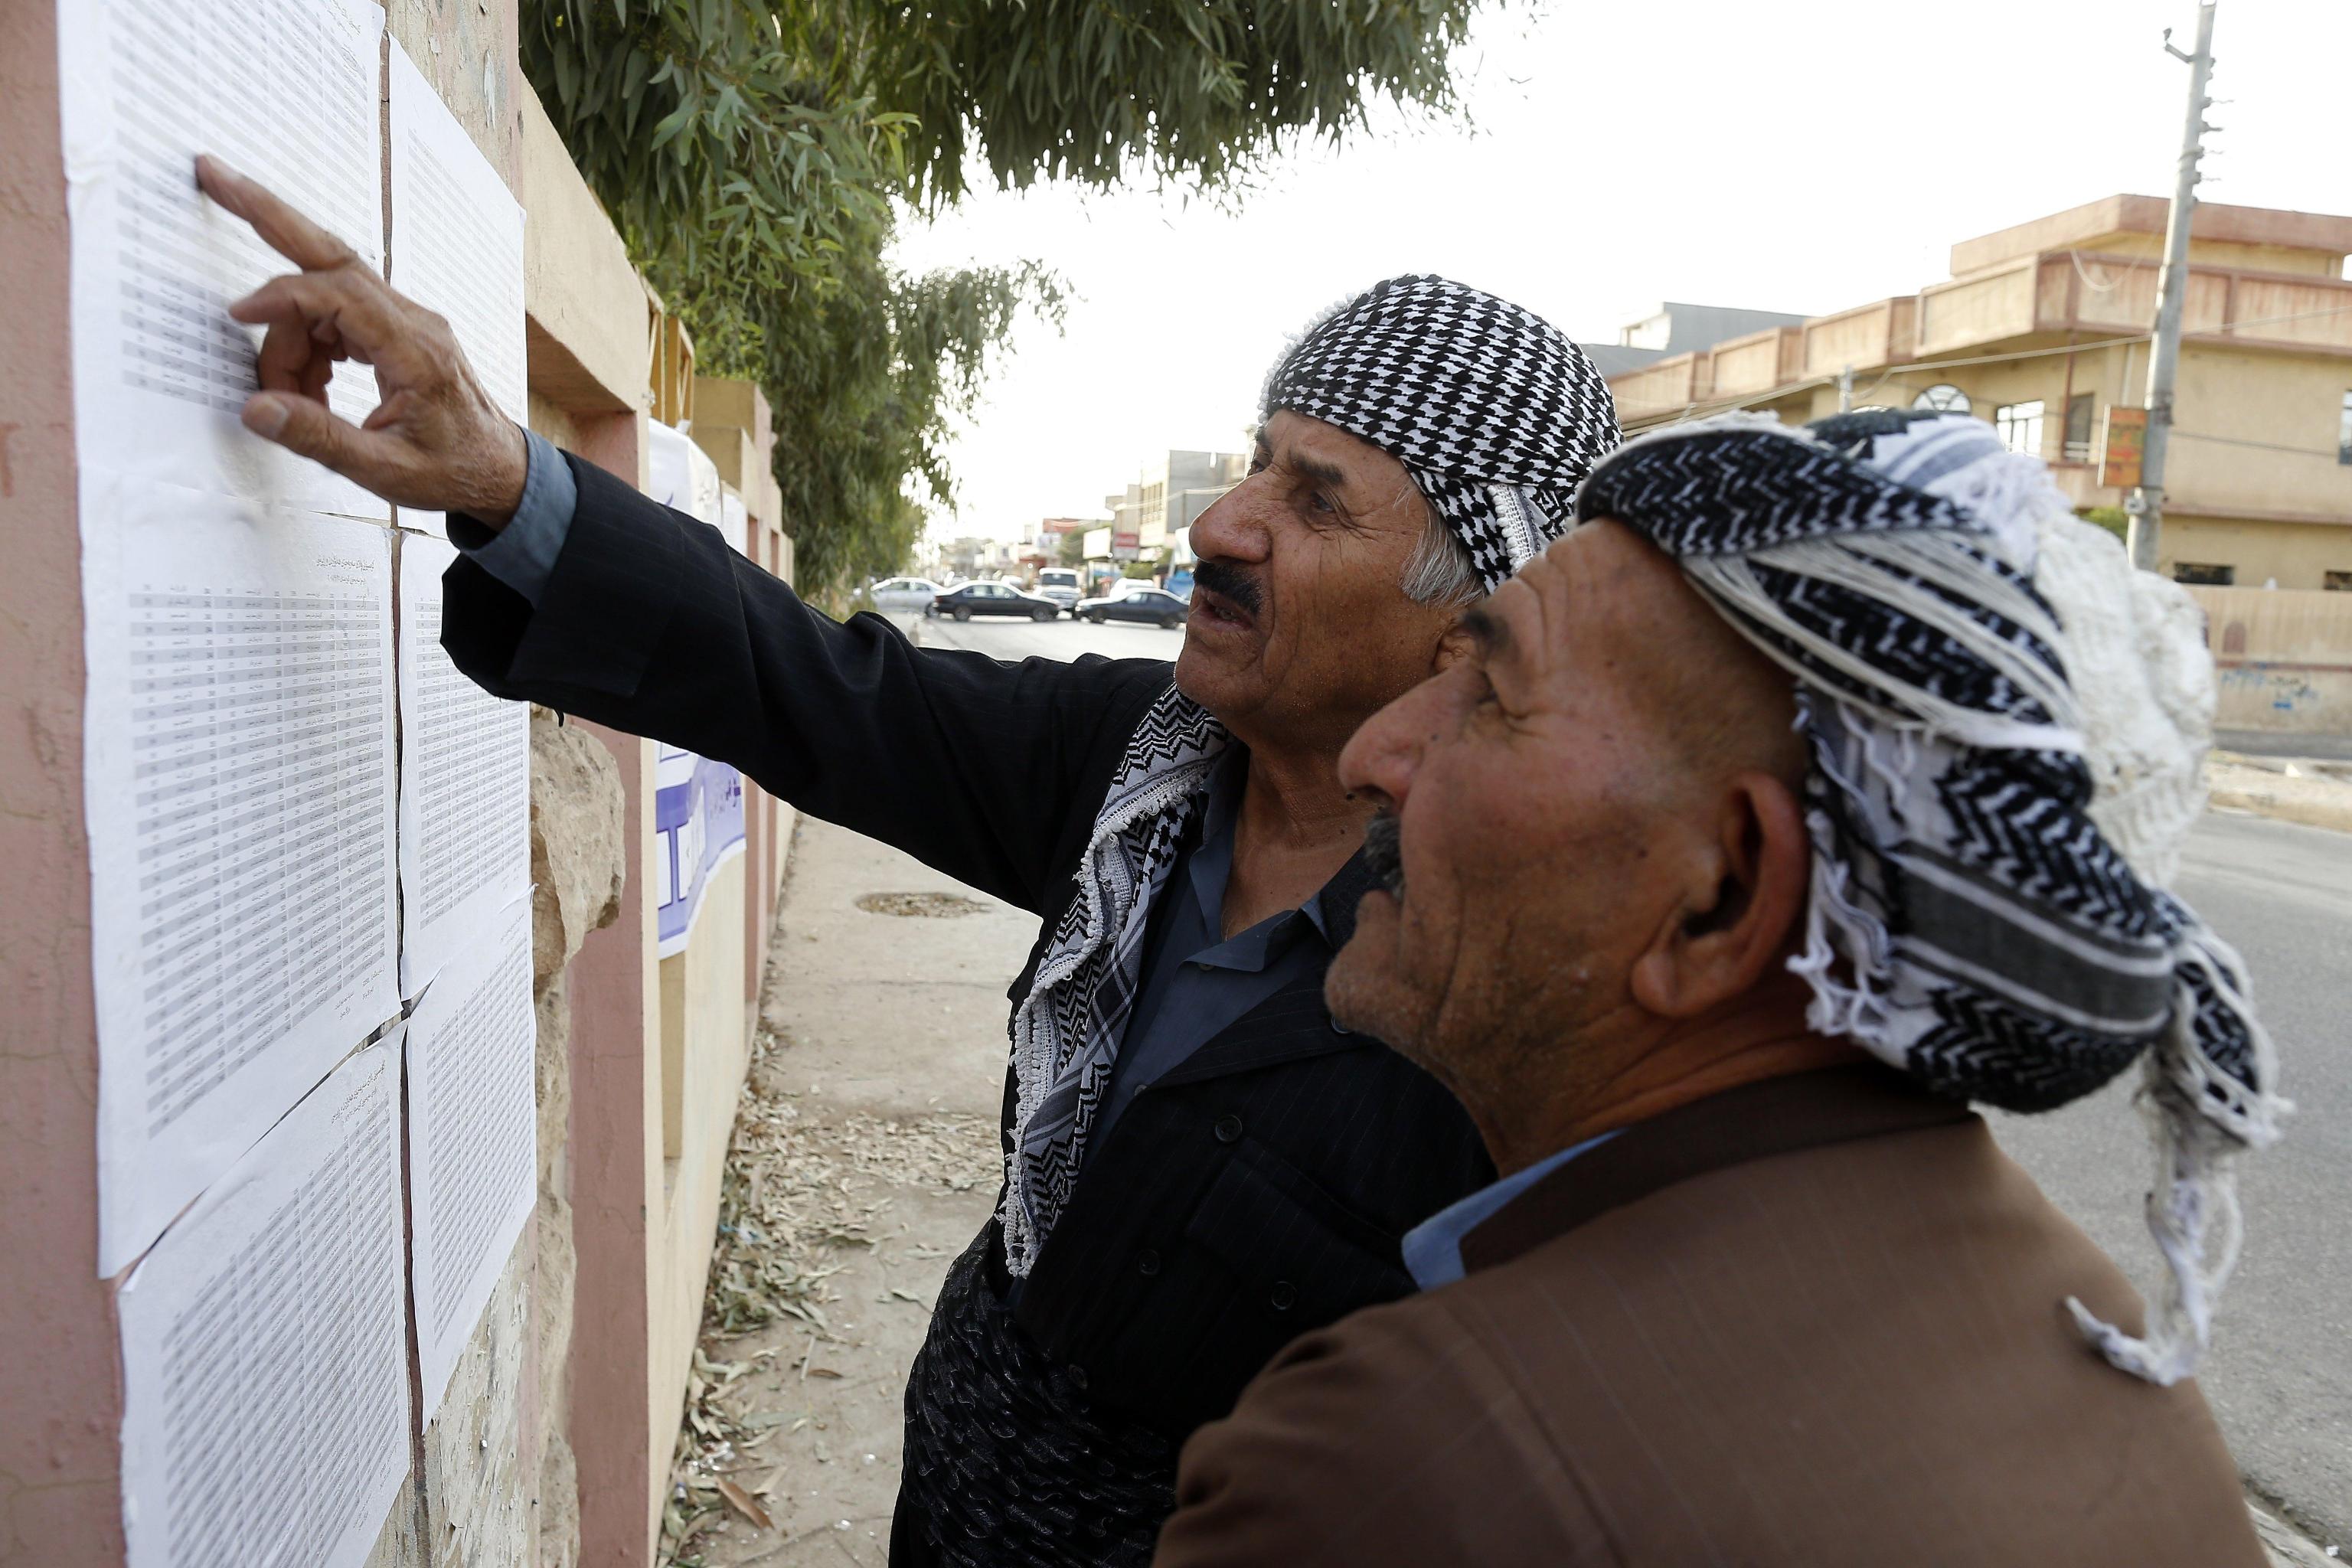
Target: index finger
[(291, 235)]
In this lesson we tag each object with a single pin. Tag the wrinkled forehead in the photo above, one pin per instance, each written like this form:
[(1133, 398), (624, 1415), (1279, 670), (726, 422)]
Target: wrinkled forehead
[(1604, 604)]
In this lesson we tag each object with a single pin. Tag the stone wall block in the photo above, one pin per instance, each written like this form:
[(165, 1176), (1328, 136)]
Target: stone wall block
[(559, 1506), (551, 1068), (398, 1545), (481, 1488), (558, 1269), (578, 855)]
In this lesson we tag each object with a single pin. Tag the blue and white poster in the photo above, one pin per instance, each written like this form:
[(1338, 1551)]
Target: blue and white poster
[(698, 826)]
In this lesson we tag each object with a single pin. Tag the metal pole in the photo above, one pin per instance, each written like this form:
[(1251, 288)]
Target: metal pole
[(2146, 506), (1845, 390)]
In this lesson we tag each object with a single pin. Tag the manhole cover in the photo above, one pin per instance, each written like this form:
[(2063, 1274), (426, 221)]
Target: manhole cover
[(935, 905)]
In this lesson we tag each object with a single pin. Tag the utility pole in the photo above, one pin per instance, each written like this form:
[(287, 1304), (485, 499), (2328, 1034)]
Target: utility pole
[(1845, 390), (2145, 505)]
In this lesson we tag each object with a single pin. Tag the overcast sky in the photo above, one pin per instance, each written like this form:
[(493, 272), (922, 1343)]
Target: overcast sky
[(1796, 156)]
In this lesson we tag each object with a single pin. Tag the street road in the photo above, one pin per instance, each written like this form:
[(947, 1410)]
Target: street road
[(2280, 1374), (1063, 638)]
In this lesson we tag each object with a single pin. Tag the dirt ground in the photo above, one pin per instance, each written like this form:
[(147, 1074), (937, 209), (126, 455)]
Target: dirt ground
[(864, 1158)]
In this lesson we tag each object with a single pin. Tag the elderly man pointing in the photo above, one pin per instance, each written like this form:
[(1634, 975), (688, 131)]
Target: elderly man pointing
[(1200, 1163), (1821, 784)]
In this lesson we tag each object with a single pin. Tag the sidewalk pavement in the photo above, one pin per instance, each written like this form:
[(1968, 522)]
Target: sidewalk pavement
[(2313, 790), (865, 1160)]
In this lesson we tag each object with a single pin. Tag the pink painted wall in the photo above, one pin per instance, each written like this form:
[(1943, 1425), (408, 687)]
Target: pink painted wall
[(610, 1395), (60, 1385)]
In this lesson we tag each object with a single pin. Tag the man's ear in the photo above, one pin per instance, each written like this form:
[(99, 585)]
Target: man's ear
[(1454, 646), (1747, 891)]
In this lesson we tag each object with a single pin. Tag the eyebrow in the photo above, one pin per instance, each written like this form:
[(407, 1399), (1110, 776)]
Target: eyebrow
[(1322, 470)]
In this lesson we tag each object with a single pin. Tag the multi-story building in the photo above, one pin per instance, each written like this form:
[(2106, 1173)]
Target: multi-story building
[(1676, 327), (2043, 329), (1159, 507)]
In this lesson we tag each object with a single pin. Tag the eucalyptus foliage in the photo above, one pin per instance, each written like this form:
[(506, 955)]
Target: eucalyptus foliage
[(753, 154)]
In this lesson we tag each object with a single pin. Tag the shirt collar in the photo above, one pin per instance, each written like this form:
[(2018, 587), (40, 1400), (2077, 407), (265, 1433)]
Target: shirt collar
[(1210, 867), (1433, 1249)]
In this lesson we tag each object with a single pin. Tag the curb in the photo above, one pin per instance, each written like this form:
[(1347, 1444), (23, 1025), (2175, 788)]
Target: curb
[(2313, 801)]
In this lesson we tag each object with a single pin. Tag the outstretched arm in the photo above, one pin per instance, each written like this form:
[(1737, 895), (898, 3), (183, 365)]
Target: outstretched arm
[(645, 620), (651, 622)]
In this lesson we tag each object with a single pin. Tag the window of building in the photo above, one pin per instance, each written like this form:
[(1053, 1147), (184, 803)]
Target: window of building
[(1943, 398), (2343, 432), (2020, 424), (2204, 573), (2080, 410), (2336, 582)]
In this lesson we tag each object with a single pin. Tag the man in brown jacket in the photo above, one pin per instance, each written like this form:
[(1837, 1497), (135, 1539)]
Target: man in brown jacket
[(1716, 958)]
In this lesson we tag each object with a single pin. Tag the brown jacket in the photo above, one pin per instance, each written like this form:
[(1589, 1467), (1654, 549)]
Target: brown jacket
[(1812, 1322)]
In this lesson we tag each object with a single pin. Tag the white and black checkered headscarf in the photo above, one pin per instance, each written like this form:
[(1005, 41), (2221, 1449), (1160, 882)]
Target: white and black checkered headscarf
[(1497, 418), (2007, 727), (1493, 413)]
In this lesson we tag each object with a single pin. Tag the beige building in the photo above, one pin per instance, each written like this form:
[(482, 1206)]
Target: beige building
[(1160, 507), (2043, 330)]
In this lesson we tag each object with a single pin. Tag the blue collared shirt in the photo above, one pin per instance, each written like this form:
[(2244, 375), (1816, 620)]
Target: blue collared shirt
[(1433, 1249), (522, 553), (1196, 982)]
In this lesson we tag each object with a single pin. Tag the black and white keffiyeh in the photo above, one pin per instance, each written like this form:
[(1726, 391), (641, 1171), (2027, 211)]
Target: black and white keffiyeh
[(1066, 1032), (1497, 418), (1493, 411), (2006, 726)]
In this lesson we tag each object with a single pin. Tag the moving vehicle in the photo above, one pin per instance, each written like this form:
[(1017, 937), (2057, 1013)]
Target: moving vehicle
[(1059, 584), (991, 599), (1141, 602), (905, 592)]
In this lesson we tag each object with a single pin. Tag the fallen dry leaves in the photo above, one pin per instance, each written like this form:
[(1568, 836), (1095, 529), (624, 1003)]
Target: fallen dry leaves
[(798, 1188)]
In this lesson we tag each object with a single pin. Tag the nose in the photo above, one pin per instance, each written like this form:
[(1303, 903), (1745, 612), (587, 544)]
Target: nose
[(1230, 530), (1382, 757)]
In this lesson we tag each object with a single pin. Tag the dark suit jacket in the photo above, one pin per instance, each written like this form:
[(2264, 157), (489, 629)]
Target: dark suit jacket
[(1258, 1190), (1813, 1322)]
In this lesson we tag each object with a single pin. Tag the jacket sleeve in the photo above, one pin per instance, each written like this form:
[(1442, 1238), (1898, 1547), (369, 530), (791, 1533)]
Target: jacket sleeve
[(650, 623), (1389, 1438)]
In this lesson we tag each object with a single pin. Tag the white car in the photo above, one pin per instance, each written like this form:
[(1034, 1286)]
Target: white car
[(1059, 584), (905, 593)]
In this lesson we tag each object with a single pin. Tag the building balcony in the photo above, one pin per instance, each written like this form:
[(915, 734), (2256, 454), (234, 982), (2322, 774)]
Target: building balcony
[(2092, 295)]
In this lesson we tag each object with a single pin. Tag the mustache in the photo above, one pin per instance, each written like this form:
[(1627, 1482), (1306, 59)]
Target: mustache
[(1383, 855), (1229, 582)]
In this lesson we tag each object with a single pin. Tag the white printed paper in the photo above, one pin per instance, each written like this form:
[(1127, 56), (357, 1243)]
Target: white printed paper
[(238, 780), (681, 476), (265, 1356), (473, 1137), (464, 785), (160, 370), (457, 241)]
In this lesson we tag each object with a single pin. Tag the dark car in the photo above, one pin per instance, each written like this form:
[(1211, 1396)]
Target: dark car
[(1153, 605), (992, 599)]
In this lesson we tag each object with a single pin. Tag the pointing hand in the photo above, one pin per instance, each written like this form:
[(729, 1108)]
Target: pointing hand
[(436, 440)]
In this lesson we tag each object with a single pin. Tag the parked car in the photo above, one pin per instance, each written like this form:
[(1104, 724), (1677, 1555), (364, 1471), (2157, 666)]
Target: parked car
[(905, 593), (1140, 602), (992, 599), (1059, 584)]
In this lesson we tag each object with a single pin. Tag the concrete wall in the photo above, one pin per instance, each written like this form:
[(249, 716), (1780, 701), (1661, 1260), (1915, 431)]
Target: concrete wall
[(2283, 659), (571, 1386), (60, 1394)]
